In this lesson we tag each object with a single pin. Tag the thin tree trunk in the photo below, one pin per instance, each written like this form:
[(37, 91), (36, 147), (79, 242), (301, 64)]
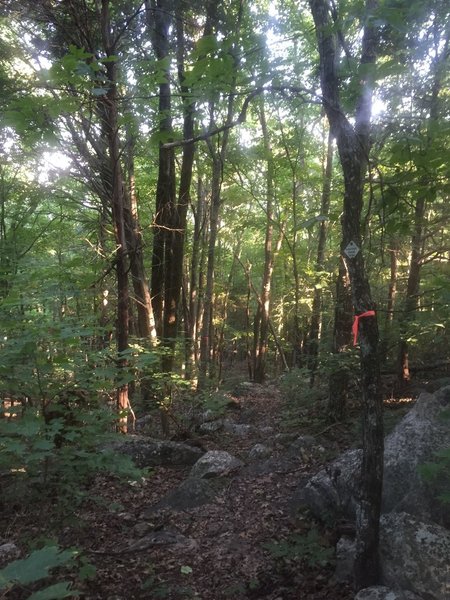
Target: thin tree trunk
[(194, 285), (224, 317), (218, 160), (176, 237), (146, 329), (316, 312), (262, 314), (392, 293), (206, 337)]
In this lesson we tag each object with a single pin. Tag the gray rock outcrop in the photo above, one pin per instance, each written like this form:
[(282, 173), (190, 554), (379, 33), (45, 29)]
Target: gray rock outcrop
[(414, 560), (415, 556), (332, 493)]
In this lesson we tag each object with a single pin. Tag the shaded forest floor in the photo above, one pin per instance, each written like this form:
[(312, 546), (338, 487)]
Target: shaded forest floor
[(250, 542)]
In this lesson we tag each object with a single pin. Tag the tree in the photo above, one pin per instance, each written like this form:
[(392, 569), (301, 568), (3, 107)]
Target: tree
[(353, 144)]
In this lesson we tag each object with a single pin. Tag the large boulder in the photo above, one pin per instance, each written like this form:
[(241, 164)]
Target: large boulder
[(415, 556), (146, 452), (422, 432), (215, 463), (414, 559), (331, 493)]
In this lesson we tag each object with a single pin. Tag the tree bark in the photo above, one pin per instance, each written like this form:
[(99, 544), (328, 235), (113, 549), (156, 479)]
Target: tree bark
[(342, 336), (353, 147), (316, 312), (262, 313), (159, 21), (118, 206), (176, 236)]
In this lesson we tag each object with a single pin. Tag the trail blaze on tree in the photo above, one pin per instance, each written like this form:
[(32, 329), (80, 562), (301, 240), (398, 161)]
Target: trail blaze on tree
[(353, 145)]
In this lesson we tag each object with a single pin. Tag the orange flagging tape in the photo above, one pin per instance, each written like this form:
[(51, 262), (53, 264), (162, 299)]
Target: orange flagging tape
[(368, 313)]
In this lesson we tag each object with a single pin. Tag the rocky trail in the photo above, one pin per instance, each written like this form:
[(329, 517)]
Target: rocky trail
[(252, 503), (234, 533)]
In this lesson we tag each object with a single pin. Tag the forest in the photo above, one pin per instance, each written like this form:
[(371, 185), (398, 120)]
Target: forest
[(212, 211)]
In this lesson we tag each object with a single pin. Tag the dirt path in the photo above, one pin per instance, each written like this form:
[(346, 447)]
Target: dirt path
[(219, 550)]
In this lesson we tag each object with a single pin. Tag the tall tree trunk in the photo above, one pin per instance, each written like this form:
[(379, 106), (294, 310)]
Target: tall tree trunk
[(206, 336), (176, 236), (262, 313), (118, 205), (192, 324), (224, 316), (353, 144), (159, 21), (145, 320), (218, 160), (316, 312)]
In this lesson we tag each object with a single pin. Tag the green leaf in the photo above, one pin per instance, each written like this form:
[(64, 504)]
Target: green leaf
[(97, 91), (186, 570), (206, 45), (36, 566), (54, 592)]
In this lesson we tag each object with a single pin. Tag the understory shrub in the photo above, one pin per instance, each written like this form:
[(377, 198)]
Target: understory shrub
[(55, 459), (33, 570)]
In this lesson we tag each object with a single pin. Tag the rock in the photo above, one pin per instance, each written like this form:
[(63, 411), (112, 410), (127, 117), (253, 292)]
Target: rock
[(144, 422), (380, 592), (242, 389), (266, 429), (8, 552), (208, 415), (420, 434), (415, 556), (436, 384), (259, 451), (146, 452), (236, 428), (332, 492), (189, 494), (215, 463), (345, 560), (304, 448), (285, 439), (272, 465), (211, 426), (142, 528)]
